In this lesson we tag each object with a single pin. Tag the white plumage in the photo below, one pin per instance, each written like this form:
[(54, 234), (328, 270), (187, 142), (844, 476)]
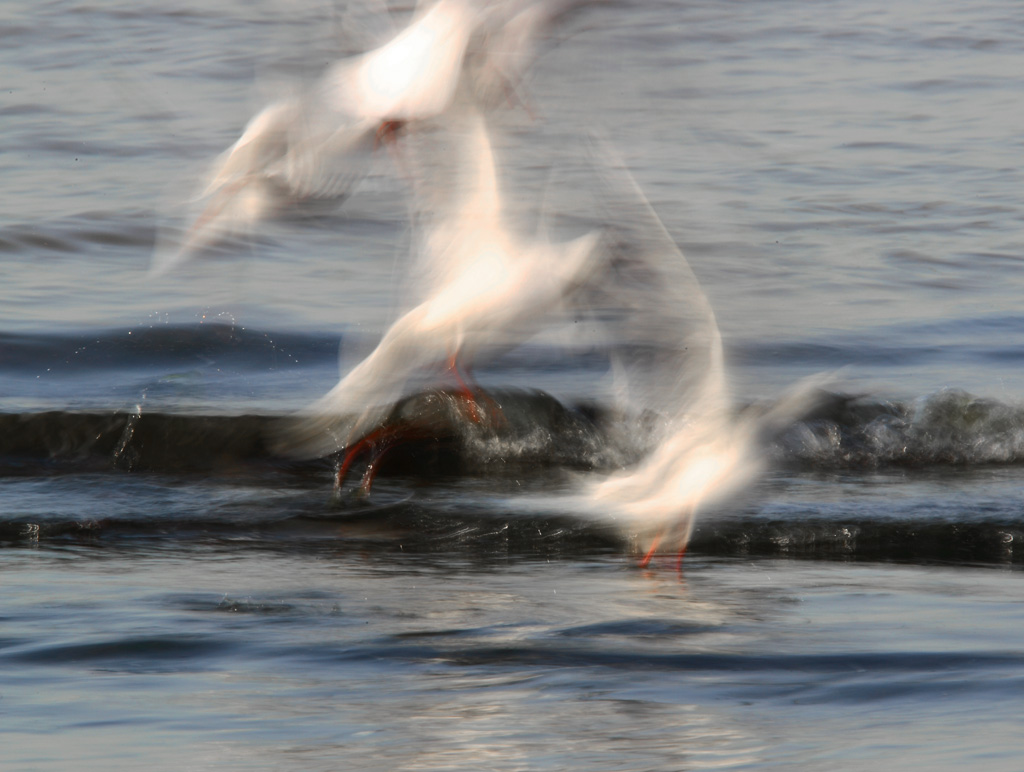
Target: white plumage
[(488, 289), (668, 349), (317, 143)]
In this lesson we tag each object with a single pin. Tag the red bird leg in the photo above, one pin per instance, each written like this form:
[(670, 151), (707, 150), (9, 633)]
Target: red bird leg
[(679, 559), (374, 466), (350, 455), (465, 391), (368, 442), (494, 414), (650, 553)]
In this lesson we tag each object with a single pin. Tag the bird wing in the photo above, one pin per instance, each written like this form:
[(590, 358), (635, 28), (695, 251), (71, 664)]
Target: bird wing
[(412, 76), (324, 158), (433, 329), (365, 396), (512, 36), (458, 221), (263, 141), (663, 335)]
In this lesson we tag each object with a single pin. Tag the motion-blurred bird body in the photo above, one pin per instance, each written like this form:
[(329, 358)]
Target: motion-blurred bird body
[(317, 143), (668, 348), (488, 290)]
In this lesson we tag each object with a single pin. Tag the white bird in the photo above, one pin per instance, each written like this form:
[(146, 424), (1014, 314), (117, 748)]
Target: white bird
[(318, 142), (669, 348), (489, 289), (513, 34)]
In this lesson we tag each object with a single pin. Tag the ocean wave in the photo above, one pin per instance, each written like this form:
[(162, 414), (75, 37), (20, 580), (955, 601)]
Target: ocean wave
[(131, 230), (160, 346), (456, 485), (948, 428), (407, 526)]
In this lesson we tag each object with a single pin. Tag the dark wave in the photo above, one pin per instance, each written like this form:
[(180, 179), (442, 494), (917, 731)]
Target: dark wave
[(149, 346), (147, 654), (950, 428), (408, 526), (914, 541), (846, 675), (448, 484), (536, 429), (106, 230), (161, 347), (155, 349), (985, 339), (542, 654), (58, 441)]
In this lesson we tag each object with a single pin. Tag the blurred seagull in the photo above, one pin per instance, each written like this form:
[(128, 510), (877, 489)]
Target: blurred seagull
[(513, 34), (670, 363), (489, 290), (318, 142)]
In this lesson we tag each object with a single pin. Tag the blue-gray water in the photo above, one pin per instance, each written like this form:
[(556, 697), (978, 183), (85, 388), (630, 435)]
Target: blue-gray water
[(845, 180)]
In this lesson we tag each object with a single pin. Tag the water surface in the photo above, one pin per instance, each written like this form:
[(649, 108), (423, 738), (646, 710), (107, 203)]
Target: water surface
[(844, 179)]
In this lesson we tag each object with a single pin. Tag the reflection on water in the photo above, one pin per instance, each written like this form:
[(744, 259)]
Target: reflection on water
[(844, 181), (591, 664)]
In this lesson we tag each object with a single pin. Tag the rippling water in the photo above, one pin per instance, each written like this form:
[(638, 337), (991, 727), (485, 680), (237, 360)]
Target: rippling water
[(845, 180)]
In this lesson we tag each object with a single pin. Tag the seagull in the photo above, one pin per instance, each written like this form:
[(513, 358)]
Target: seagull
[(317, 143), (513, 33), (668, 355), (487, 289)]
